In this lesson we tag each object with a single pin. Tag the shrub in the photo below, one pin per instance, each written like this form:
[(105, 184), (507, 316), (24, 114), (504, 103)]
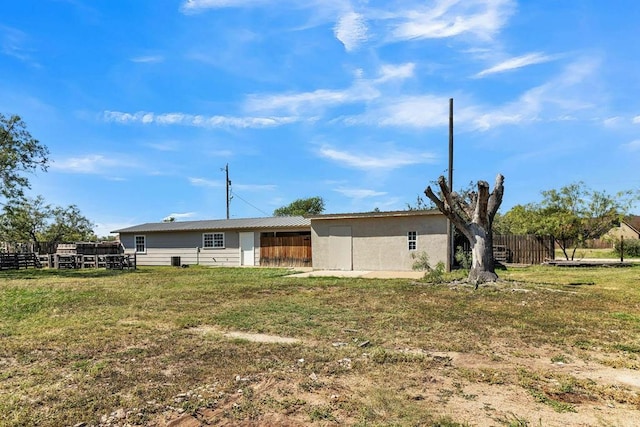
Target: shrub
[(421, 262), (631, 247), (463, 258)]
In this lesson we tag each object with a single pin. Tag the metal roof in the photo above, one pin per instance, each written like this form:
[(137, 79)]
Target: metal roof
[(375, 214), (221, 224)]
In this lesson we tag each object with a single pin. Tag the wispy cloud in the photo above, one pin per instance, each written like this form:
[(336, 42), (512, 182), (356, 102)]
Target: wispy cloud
[(202, 182), (178, 216), (395, 72), (632, 146), (351, 30), (424, 111), (13, 43), (387, 160), (515, 63), (560, 98), (636, 119), (196, 6), (91, 164), (451, 18), (184, 119), (297, 103), (148, 59), (359, 193)]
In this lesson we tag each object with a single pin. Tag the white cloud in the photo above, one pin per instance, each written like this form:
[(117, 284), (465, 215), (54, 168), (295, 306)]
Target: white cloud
[(411, 111), (195, 6), (359, 193), (184, 119), (388, 160), (632, 146), (296, 103), (351, 30), (636, 119), (13, 42), (393, 72), (178, 216), (451, 18), (90, 164), (202, 182), (516, 62), (148, 59)]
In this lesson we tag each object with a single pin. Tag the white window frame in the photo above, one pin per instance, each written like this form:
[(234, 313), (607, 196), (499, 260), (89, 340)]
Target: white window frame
[(412, 240), (216, 243), (144, 243)]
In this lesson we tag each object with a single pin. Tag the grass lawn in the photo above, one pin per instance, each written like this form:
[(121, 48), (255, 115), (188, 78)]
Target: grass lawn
[(546, 346)]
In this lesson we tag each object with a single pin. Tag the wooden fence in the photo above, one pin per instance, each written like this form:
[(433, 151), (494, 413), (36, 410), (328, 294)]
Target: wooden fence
[(525, 249), (290, 251), (16, 261)]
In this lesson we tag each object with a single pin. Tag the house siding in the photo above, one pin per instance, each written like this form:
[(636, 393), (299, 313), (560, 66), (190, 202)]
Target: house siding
[(162, 246), (381, 243)]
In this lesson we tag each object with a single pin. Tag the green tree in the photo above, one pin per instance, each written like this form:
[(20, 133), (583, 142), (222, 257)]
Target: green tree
[(33, 220), (572, 214), (20, 153), (310, 206)]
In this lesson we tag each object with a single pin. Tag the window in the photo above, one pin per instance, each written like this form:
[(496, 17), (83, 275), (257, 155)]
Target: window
[(141, 244), (412, 238), (213, 240)]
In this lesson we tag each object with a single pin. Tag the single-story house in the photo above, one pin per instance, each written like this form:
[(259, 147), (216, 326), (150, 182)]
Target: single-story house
[(223, 242), (356, 241)]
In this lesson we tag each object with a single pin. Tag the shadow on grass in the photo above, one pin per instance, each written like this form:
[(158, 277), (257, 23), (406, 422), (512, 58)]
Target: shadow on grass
[(52, 272)]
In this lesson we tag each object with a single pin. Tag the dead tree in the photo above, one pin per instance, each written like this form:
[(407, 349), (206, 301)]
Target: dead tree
[(473, 216)]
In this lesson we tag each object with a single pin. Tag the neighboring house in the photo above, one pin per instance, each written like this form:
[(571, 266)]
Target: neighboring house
[(629, 228), (378, 240), (224, 242), (357, 241)]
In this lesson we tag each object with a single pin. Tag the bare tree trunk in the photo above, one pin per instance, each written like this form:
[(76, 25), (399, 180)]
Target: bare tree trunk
[(482, 266), (474, 219)]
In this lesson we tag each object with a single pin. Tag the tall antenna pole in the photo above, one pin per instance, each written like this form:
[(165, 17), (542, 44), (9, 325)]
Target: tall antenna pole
[(450, 229), (226, 170)]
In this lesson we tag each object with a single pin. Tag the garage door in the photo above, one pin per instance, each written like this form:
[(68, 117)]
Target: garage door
[(340, 248)]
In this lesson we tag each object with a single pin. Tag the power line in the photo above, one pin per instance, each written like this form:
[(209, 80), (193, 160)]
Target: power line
[(250, 204)]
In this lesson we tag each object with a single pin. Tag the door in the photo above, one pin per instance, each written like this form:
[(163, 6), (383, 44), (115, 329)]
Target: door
[(247, 249), (340, 252)]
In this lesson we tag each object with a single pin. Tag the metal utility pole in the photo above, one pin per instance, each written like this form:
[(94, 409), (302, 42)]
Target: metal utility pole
[(226, 170), (450, 230)]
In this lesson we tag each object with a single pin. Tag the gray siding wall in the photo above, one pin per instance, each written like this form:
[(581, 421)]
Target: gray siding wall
[(162, 246), (381, 243)]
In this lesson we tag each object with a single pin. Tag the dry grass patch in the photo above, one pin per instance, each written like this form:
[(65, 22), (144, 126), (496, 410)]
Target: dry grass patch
[(150, 346)]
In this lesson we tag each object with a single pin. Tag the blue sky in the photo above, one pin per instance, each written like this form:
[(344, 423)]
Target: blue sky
[(143, 103)]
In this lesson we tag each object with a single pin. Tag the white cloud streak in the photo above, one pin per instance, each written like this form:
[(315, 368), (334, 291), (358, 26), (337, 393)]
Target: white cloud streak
[(148, 59), (515, 63), (451, 18), (632, 146), (359, 193), (202, 182), (351, 30), (91, 164), (386, 161), (183, 119)]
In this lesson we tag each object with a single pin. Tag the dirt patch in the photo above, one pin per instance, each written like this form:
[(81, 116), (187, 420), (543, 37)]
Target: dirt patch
[(526, 388), (263, 338)]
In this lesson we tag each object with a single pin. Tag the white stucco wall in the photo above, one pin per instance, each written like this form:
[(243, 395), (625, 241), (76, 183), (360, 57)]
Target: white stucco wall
[(380, 243)]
